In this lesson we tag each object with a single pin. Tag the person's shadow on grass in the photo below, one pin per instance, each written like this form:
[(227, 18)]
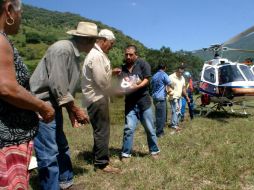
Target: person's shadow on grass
[(87, 156)]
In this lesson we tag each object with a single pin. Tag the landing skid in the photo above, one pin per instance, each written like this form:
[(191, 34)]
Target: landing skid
[(205, 110)]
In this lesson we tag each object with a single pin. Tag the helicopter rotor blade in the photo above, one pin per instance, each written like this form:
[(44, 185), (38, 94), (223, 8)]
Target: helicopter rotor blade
[(235, 49), (239, 36)]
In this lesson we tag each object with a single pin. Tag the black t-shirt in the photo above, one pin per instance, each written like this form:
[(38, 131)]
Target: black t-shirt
[(140, 97)]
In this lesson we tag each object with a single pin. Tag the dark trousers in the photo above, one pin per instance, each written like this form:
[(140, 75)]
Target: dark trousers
[(160, 116), (99, 117)]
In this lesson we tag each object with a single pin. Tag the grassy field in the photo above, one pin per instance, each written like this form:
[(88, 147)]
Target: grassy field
[(215, 152)]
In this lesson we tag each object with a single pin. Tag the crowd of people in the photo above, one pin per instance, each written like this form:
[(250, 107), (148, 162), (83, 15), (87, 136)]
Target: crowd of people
[(31, 107), (173, 89)]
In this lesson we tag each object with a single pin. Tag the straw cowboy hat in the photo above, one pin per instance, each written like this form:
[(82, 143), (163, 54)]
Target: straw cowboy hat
[(85, 29)]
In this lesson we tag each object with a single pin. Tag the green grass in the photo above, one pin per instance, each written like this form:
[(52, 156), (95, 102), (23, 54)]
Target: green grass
[(214, 152)]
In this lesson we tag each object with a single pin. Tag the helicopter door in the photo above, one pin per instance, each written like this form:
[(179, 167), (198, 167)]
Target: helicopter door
[(209, 75), (209, 80)]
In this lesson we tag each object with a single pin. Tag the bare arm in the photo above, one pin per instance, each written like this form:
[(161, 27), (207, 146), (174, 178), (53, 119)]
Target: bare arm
[(142, 84), (185, 94)]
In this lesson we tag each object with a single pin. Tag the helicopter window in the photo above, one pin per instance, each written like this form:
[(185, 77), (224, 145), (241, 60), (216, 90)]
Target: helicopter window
[(229, 73), (247, 72), (209, 75), (252, 69)]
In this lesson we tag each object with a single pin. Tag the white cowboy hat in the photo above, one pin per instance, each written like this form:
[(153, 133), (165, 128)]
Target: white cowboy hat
[(85, 29)]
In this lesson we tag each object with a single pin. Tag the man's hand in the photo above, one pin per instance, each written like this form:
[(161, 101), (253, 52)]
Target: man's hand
[(47, 112), (131, 89), (77, 113), (74, 122), (116, 71), (81, 116), (188, 99)]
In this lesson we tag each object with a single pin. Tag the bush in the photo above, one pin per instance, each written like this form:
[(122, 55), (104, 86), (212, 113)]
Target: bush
[(33, 38)]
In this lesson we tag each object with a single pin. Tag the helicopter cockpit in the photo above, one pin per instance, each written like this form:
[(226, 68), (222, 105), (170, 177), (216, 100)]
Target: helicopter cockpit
[(227, 72), (246, 70)]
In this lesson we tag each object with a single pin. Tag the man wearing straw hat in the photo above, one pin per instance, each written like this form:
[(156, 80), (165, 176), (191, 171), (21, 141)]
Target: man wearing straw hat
[(54, 81)]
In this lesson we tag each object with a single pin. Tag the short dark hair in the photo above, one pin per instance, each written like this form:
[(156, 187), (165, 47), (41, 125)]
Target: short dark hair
[(132, 46), (181, 66), (162, 66)]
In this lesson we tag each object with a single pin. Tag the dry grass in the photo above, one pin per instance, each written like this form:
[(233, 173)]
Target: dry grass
[(209, 153)]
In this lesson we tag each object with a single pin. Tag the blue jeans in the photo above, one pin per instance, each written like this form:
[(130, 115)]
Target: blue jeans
[(131, 123), (160, 116), (175, 114), (53, 156), (190, 106)]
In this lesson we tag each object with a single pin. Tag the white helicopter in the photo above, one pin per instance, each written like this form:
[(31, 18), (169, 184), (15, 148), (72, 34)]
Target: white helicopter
[(223, 82)]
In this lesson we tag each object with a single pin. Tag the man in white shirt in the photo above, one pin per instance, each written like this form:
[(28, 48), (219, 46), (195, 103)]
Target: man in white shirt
[(96, 84), (178, 89)]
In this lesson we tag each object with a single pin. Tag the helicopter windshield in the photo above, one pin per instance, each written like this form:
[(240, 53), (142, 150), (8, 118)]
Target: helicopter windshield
[(247, 72), (252, 69), (229, 73)]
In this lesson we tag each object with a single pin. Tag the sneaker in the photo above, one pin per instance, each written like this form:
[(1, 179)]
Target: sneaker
[(160, 135), (75, 187), (175, 130), (66, 185), (109, 169)]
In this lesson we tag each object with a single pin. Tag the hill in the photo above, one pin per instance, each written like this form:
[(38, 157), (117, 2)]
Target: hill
[(41, 27)]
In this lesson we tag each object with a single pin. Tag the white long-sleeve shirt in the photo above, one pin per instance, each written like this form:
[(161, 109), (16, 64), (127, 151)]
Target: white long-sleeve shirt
[(96, 76)]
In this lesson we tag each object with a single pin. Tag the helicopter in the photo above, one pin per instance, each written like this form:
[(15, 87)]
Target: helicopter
[(224, 82)]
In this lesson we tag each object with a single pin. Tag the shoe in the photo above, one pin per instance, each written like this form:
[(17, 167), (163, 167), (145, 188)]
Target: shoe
[(109, 169), (160, 135), (66, 185), (76, 187), (175, 130)]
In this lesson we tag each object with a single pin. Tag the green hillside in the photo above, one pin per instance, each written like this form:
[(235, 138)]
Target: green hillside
[(41, 27)]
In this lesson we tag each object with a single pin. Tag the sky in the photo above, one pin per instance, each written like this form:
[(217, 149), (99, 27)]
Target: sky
[(178, 24)]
